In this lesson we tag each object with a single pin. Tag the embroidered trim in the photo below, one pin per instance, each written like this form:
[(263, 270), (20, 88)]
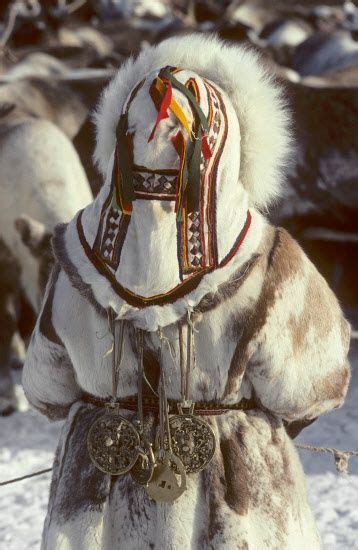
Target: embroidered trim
[(154, 185), (130, 297), (197, 246), (174, 294)]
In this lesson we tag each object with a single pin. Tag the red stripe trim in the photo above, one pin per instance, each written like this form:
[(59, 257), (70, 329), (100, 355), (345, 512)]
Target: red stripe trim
[(174, 294), (238, 241)]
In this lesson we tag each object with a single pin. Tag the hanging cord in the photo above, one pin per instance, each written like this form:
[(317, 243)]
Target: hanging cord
[(116, 361), (140, 377), (141, 366), (189, 346), (169, 343), (181, 360), (186, 366), (164, 426)]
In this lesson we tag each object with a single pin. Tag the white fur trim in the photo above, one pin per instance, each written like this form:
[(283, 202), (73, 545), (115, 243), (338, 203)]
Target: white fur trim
[(152, 317), (257, 100)]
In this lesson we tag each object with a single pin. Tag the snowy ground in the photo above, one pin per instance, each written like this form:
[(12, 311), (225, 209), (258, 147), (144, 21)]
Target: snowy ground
[(28, 440)]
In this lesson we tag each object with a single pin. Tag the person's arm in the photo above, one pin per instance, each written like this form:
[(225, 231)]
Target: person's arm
[(48, 377), (299, 367)]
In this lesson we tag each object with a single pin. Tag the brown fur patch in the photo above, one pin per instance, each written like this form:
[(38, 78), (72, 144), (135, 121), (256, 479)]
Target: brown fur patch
[(228, 289), (213, 486), (334, 385), (77, 471), (237, 492), (280, 259)]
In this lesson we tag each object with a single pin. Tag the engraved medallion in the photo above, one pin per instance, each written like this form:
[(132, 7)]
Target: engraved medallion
[(113, 444), (193, 441), (143, 469), (168, 482)]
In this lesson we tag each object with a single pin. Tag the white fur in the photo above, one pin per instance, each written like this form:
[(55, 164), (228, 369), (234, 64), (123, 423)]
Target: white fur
[(152, 317), (41, 176), (289, 378), (257, 99)]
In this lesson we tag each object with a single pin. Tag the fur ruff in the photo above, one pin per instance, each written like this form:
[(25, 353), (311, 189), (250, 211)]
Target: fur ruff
[(257, 100)]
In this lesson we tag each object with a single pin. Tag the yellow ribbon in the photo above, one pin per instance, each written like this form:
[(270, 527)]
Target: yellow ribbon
[(174, 107)]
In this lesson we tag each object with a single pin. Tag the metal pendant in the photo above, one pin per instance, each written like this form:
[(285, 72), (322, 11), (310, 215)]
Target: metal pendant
[(142, 471), (193, 440), (113, 444), (169, 479)]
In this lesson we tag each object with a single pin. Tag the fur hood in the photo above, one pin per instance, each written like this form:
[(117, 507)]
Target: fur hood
[(151, 260), (257, 100)]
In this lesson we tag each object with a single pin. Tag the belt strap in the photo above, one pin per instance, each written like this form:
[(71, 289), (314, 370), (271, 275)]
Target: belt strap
[(202, 408)]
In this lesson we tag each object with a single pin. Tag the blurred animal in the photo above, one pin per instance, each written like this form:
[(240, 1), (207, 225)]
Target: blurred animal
[(40, 176), (36, 64), (39, 98), (288, 32), (324, 52)]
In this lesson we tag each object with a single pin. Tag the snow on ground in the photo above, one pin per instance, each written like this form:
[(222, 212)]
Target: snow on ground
[(334, 499), (28, 440)]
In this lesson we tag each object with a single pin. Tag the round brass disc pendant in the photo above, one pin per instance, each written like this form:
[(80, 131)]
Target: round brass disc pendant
[(112, 444), (169, 479), (193, 441)]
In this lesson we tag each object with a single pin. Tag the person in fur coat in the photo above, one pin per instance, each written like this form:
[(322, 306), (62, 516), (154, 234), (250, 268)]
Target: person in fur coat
[(171, 247)]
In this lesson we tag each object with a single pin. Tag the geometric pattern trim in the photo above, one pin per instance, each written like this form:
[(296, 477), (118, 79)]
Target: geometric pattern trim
[(197, 249), (155, 185)]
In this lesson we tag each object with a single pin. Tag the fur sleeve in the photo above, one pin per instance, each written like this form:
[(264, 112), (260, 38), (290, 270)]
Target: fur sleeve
[(48, 376), (299, 366)]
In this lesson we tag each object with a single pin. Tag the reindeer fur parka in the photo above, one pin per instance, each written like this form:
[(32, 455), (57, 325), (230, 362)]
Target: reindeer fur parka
[(267, 326)]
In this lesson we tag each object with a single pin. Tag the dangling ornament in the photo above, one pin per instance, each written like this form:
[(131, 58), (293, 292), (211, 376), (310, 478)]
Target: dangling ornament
[(112, 441), (143, 468), (192, 439), (169, 478)]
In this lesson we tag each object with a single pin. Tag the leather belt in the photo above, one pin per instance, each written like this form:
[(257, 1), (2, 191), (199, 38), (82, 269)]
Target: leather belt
[(202, 408)]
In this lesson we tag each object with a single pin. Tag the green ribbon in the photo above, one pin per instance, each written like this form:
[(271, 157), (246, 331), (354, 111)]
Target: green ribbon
[(123, 163), (189, 95), (191, 183)]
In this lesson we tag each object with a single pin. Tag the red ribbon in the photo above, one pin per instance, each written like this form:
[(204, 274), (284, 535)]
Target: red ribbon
[(163, 109), (179, 145), (205, 149)]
